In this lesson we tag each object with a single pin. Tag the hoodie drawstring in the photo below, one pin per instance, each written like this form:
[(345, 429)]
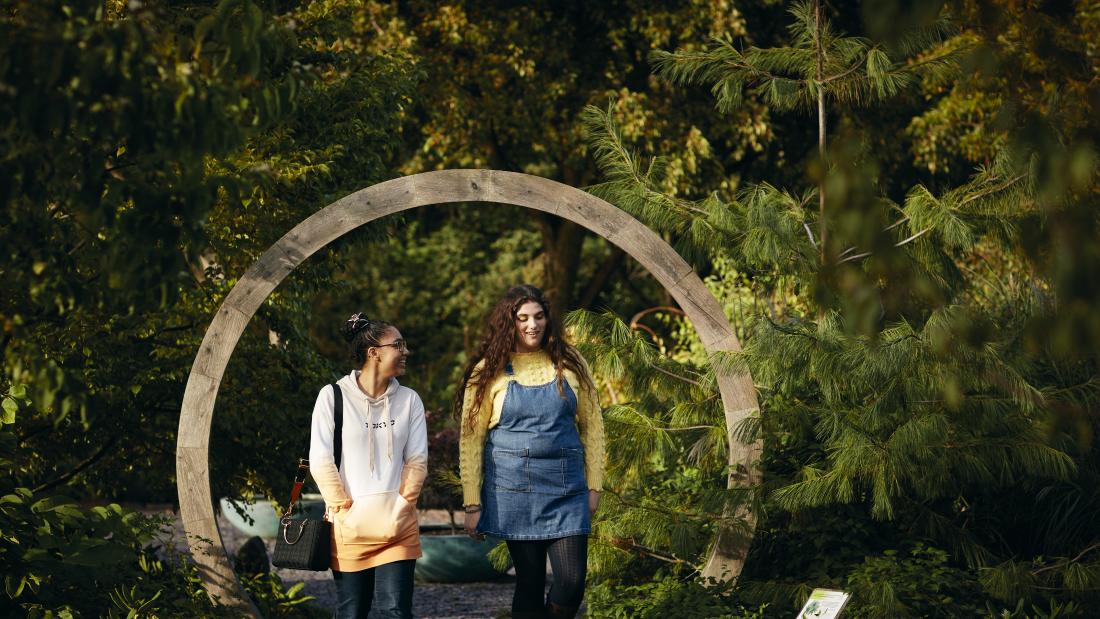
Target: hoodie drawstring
[(370, 437), (385, 419), (389, 425)]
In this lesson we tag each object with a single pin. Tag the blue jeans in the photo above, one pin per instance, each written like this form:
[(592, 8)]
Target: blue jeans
[(388, 588)]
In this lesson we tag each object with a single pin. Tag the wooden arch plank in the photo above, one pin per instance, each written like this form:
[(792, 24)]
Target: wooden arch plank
[(440, 187)]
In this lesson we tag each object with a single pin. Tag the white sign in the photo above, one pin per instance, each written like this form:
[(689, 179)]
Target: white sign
[(824, 604)]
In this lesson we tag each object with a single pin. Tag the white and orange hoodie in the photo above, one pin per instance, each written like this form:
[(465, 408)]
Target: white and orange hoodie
[(371, 499)]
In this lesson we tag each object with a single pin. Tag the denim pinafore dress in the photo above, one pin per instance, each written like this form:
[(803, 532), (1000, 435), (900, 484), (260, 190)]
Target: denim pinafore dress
[(534, 486)]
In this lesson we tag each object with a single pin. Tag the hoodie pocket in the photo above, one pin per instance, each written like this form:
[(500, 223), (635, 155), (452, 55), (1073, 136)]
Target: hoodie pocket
[(374, 519)]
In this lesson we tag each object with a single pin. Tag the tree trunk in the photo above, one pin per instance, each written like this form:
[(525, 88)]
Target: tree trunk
[(562, 241), (601, 277)]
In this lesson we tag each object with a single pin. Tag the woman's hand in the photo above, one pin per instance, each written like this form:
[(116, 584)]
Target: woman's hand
[(332, 510), (593, 502), (470, 524)]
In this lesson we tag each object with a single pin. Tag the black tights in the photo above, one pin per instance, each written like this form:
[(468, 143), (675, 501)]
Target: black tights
[(568, 560)]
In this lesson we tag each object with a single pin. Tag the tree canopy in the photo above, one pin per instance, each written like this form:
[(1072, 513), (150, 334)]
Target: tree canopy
[(895, 203)]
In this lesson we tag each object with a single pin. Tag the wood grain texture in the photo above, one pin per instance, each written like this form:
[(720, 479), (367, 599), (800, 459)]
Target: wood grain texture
[(203, 537), (441, 187)]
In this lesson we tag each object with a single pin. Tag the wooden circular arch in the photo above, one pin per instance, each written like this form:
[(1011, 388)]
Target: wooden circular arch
[(447, 186)]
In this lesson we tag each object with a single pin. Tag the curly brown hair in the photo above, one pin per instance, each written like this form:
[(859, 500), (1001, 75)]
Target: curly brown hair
[(498, 342)]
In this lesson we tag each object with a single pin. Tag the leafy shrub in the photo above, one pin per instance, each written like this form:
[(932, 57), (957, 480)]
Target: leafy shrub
[(922, 584), (666, 597), (1054, 610), (59, 559), (274, 600)]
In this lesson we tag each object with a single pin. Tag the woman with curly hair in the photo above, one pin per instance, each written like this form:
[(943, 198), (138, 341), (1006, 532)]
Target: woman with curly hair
[(532, 450)]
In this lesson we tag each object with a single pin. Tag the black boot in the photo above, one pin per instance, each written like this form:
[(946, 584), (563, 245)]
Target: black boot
[(528, 614)]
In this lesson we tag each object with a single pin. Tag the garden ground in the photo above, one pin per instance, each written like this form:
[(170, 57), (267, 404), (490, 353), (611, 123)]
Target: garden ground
[(430, 600)]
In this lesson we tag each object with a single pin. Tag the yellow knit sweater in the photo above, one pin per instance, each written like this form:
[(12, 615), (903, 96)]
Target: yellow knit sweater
[(529, 369)]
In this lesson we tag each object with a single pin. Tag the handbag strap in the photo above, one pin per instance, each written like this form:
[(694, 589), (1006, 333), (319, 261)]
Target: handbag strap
[(338, 417), (337, 447)]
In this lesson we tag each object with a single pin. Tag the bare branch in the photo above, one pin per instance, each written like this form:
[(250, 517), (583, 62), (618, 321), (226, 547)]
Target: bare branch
[(810, 234), (630, 546), (992, 190), (896, 224), (676, 376), (898, 244), (914, 237), (80, 467), (855, 257)]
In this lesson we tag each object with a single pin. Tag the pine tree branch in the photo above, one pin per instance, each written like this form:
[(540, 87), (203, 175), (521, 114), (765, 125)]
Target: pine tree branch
[(1066, 562), (787, 331), (676, 376), (993, 190), (656, 428), (839, 76), (704, 58), (707, 517), (970, 198), (686, 428), (631, 545), (932, 60)]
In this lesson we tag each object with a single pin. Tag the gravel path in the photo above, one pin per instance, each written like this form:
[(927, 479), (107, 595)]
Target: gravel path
[(430, 600)]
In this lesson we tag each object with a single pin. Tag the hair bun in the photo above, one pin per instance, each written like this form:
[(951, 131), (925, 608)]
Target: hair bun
[(353, 325)]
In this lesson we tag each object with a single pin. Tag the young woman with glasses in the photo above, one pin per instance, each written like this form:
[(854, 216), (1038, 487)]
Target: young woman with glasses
[(371, 496), (532, 451)]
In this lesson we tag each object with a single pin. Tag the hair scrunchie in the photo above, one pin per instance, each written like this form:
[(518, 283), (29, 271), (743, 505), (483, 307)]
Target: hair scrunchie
[(356, 323)]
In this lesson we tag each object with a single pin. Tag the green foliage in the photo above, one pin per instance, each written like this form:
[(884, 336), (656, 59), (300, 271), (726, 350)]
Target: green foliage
[(851, 71), (920, 583), (767, 231), (667, 595), (914, 365), (1053, 610), (61, 560), (923, 419), (274, 600), (663, 494), (917, 302), (507, 82), (106, 309), (105, 135)]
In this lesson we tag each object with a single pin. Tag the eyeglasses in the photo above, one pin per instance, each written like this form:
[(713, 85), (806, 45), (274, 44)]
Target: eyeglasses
[(398, 344)]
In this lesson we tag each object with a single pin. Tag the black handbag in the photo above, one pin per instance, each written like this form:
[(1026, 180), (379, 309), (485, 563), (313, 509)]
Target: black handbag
[(305, 543)]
